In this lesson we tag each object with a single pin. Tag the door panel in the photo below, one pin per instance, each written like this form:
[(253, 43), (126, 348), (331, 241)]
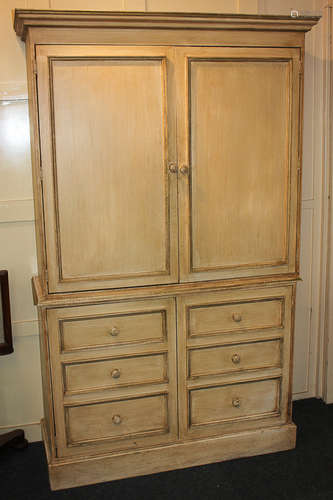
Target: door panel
[(112, 220), (238, 137)]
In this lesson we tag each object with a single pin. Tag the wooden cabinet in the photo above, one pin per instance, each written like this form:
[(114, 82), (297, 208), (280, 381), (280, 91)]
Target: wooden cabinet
[(167, 163)]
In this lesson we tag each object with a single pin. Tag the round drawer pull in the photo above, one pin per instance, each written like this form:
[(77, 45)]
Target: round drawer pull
[(237, 317), (114, 331), (235, 358), (115, 373), (116, 419), (236, 403)]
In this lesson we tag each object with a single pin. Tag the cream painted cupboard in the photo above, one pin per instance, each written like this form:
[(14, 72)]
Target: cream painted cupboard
[(167, 168)]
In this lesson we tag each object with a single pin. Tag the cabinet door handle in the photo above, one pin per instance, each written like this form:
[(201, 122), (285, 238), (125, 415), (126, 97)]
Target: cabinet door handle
[(115, 373), (184, 169)]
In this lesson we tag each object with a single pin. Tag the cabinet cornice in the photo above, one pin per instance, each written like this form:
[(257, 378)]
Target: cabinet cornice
[(25, 19)]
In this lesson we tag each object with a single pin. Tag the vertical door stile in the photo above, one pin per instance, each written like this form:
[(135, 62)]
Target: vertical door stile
[(182, 366), (183, 136), (183, 240), (172, 160)]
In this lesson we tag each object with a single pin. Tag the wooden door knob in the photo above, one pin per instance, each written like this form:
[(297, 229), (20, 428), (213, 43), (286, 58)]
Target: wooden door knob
[(237, 317)]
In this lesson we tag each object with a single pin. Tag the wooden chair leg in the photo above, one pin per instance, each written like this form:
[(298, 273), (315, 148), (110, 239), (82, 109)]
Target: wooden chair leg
[(14, 439)]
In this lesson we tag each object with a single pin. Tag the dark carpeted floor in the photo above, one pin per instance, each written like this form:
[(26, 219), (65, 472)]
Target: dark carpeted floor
[(301, 474)]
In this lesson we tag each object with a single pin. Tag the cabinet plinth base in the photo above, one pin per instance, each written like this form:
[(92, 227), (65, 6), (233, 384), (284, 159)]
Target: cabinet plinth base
[(69, 473)]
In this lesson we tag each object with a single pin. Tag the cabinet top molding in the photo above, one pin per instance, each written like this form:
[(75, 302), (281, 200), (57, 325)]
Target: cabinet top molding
[(25, 19)]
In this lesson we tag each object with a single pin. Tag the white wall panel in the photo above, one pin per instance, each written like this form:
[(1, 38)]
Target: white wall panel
[(18, 256), (12, 50), (307, 353), (87, 4), (192, 6), (302, 346), (283, 7), (16, 210), (15, 164), (248, 6), (20, 388), (308, 128)]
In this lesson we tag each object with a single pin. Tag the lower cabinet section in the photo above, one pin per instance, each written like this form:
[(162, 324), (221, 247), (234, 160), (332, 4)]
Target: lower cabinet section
[(184, 380)]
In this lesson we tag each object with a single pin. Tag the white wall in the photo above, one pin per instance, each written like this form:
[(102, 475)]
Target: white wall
[(20, 388), (327, 254)]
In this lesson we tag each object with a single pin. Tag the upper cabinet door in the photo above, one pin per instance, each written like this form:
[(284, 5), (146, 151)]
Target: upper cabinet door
[(107, 126), (238, 144)]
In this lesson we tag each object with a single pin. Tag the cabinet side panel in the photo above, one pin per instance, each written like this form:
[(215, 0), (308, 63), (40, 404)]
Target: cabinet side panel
[(35, 160), (46, 383)]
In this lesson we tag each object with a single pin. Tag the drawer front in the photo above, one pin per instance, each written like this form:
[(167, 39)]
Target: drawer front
[(233, 402), (108, 330), (117, 372), (223, 359), (117, 419), (237, 316)]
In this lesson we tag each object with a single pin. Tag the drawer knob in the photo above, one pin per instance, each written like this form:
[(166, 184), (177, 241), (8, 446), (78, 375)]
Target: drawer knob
[(237, 317), (236, 403), (115, 373), (235, 358), (116, 419), (114, 331)]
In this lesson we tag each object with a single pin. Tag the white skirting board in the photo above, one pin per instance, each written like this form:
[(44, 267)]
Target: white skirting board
[(32, 431)]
